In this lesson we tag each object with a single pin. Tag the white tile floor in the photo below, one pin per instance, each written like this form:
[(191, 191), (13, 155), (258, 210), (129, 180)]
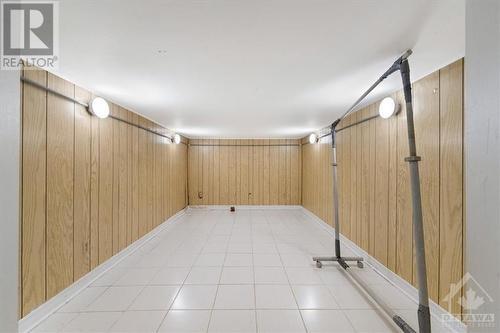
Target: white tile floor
[(215, 271)]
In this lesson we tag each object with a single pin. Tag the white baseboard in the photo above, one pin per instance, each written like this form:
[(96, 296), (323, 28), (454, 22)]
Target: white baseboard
[(436, 310), (245, 207), (52, 305)]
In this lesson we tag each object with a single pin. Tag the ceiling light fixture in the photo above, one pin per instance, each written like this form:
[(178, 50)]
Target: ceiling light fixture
[(99, 107), (313, 138), (177, 138), (387, 107)]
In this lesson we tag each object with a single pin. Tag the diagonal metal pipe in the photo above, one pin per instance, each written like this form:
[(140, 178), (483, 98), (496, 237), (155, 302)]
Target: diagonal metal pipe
[(401, 64)]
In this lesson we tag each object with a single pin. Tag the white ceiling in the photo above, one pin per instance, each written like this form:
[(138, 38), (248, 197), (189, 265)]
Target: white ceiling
[(250, 68)]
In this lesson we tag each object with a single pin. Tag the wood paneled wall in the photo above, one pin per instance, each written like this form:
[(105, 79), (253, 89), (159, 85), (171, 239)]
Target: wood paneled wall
[(90, 186), (245, 172), (375, 202)]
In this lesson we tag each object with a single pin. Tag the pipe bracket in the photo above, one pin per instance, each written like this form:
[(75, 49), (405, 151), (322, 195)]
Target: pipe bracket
[(413, 159)]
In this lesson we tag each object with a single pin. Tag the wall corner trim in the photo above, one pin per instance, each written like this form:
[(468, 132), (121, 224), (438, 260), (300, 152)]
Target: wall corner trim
[(39, 314), (409, 290)]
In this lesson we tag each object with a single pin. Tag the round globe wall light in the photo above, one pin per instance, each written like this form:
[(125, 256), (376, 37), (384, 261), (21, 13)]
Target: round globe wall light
[(99, 107), (387, 107), (313, 138), (177, 138)]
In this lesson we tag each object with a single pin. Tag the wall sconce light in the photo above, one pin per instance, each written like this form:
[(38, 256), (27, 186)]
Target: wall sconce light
[(313, 138), (177, 138), (99, 107), (387, 107)]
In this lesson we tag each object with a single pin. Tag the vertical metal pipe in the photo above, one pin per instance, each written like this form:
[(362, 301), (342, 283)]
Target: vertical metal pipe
[(424, 321), (335, 194)]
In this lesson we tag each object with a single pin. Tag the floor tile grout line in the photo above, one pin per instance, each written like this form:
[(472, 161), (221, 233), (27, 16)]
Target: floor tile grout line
[(79, 312), (142, 289), (294, 296), (175, 298), (172, 303), (253, 272), (217, 290)]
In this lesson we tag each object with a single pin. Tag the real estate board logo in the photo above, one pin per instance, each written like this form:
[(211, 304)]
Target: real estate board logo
[(30, 33), (470, 296)]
